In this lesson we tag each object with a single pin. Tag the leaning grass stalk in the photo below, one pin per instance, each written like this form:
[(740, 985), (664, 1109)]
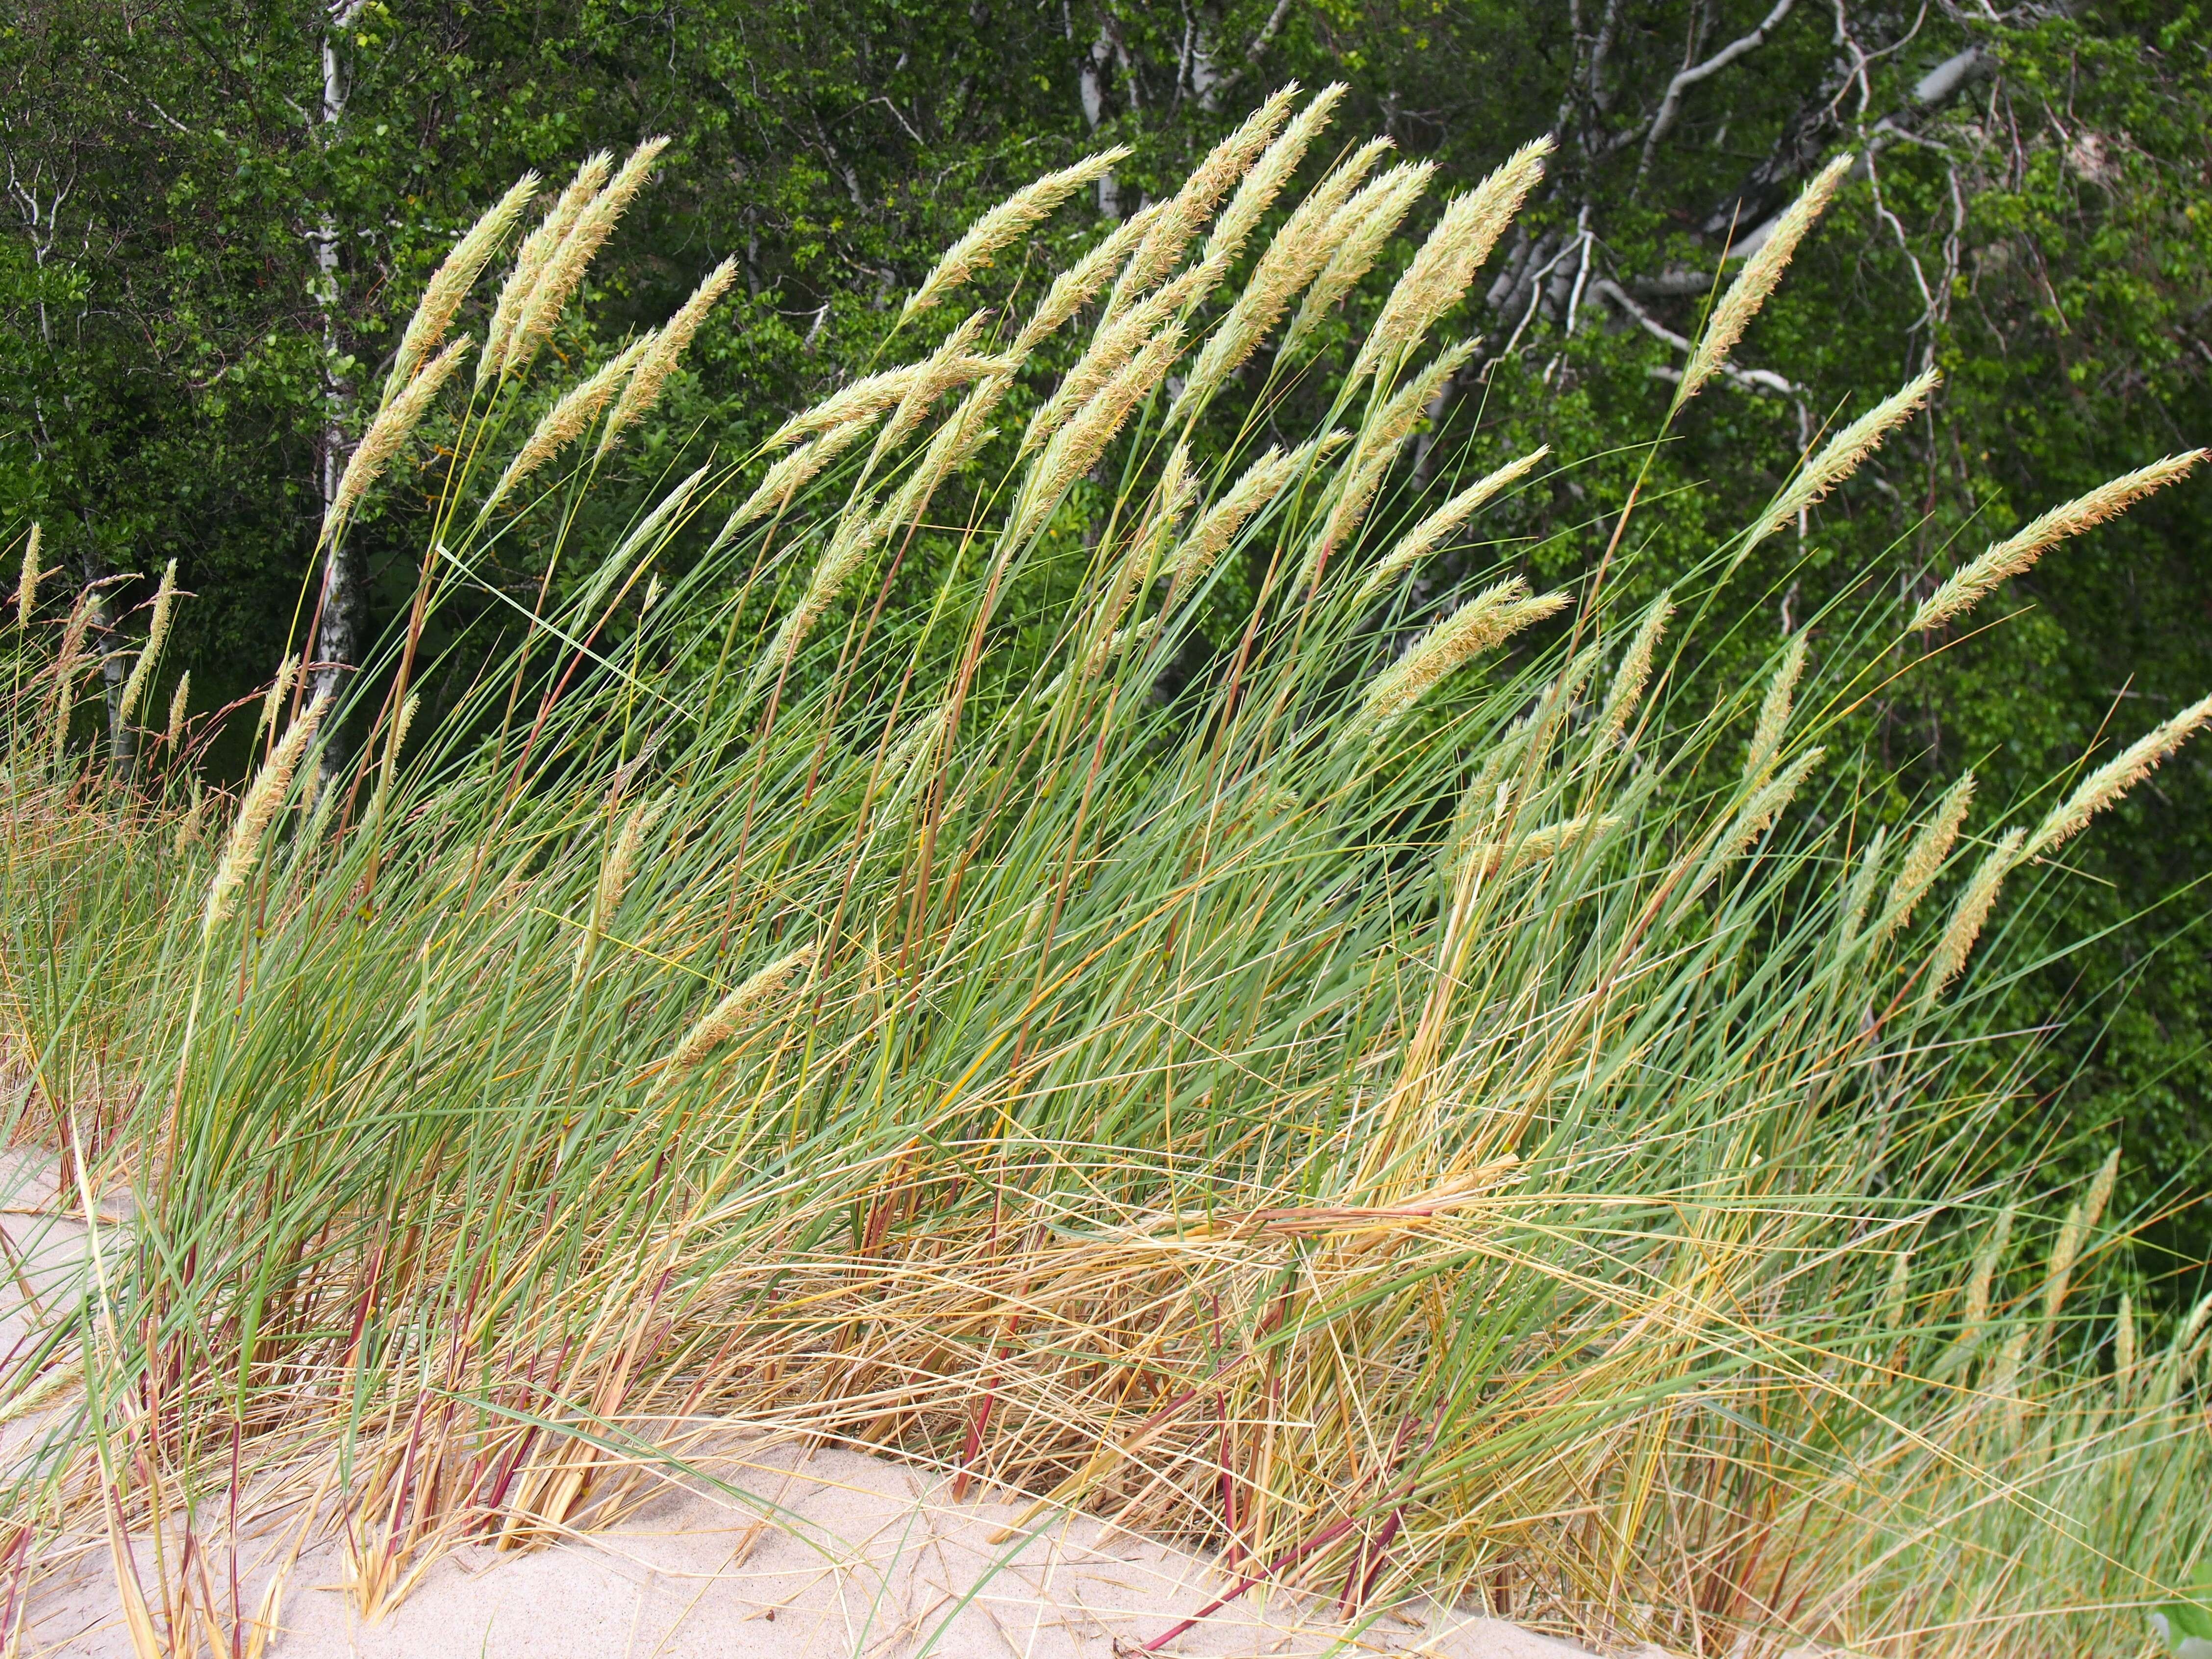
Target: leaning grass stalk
[(2105, 786), (1972, 912), (1756, 281), (1841, 456), (1257, 191), (569, 419), (1078, 286), (393, 424), (1488, 619), (450, 284), (66, 665), (531, 260), (241, 851), (157, 631), (1446, 263), (1191, 206), (738, 1010), (2016, 554), (1924, 858), (614, 875), (1420, 543), (1007, 222), (666, 346), (26, 585)]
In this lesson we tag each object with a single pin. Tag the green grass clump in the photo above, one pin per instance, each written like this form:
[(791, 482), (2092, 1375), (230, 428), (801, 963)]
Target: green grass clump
[(987, 933)]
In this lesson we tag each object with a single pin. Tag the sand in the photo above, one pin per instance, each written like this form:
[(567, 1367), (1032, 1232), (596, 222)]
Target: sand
[(838, 1553)]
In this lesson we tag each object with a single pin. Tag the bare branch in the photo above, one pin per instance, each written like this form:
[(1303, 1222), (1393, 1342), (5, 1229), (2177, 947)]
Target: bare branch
[(1670, 106)]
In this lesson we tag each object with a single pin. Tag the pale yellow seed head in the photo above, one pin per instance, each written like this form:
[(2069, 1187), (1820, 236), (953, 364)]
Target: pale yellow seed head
[(1188, 209), (27, 585), (739, 1009), (2105, 786), (1008, 222), (564, 270), (242, 851), (864, 401), (157, 631), (1631, 677), (1487, 620), (569, 419), (1972, 912), (272, 702), (1756, 281), (180, 702), (1924, 858), (1420, 542), (1841, 456), (531, 260), (393, 424), (1078, 285), (2018, 553), (450, 283), (667, 345), (1358, 233), (1273, 170), (1774, 714)]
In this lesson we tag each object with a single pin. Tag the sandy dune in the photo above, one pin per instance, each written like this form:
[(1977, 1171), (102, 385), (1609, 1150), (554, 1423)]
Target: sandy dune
[(840, 1554)]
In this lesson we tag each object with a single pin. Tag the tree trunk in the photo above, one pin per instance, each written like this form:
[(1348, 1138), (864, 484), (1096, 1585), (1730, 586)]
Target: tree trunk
[(334, 643)]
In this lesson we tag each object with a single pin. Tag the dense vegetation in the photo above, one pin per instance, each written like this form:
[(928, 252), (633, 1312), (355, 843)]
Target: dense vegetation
[(216, 211), (1054, 917)]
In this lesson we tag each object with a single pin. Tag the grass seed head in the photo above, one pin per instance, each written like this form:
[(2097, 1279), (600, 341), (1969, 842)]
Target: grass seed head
[(863, 401), (1257, 191), (531, 258), (738, 1010), (393, 424), (179, 701), (1009, 220), (1757, 280), (2110, 781), (1422, 542), (1078, 286), (1774, 714), (1358, 233), (157, 631), (1488, 619), (1924, 858), (26, 585), (666, 346), (1841, 456), (569, 419), (1972, 912), (2016, 554), (450, 283), (564, 268), (1634, 672), (263, 795)]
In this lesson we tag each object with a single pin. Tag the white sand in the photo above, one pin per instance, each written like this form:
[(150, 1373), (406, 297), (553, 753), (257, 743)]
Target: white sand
[(856, 1556)]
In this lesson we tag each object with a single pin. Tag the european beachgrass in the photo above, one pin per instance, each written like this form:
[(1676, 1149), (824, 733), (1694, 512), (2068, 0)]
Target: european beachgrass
[(1437, 1097)]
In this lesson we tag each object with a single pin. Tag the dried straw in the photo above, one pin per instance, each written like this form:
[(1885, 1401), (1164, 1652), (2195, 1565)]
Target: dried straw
[(1447, 261), (1356, 234), (1756, 281), (1014, 218), (157, 629), (536, 254), (738, 1010), (2017, 553), (2115, 779), (391, 427), (242, 851), (451, 282), (1971, 910), (27, 585), (662, 349), (1421, 541)]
